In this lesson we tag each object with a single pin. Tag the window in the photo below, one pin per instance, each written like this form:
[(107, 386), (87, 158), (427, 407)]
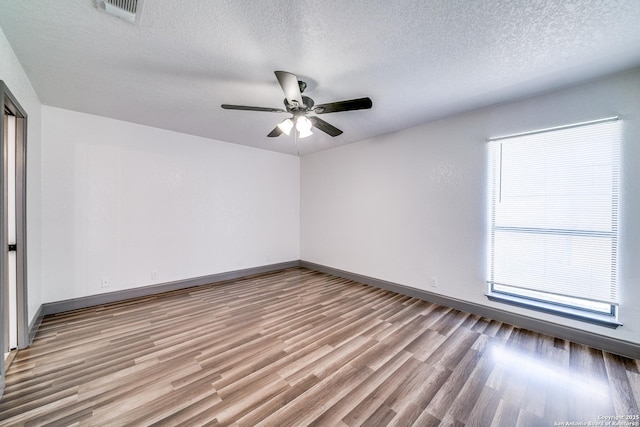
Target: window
[(553, 204)]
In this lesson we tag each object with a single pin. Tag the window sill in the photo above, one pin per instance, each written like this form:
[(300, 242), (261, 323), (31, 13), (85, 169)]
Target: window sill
[(597, 319)]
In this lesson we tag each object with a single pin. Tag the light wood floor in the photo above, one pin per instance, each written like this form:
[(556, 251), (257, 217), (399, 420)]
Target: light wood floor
[(299, 347)]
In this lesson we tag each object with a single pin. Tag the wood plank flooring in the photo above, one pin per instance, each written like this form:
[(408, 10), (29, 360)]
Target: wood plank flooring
[(298, 347)]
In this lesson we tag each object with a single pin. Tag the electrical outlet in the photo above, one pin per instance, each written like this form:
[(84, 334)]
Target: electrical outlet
[(105, 282), (433, 282), (154, 274)]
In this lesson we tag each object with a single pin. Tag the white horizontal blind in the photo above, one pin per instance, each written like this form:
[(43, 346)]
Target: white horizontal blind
[(554, 211)]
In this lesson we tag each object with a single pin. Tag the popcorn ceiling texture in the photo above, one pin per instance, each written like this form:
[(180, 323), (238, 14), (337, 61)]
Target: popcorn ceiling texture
[(418, 60)]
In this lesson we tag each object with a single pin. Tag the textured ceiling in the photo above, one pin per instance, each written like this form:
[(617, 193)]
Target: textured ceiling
[(418, 60)]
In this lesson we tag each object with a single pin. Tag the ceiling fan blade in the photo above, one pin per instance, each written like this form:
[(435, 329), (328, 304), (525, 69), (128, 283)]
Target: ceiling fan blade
[(249, 108), (324, 126), (351, 104), (289, 84), (275, 132)]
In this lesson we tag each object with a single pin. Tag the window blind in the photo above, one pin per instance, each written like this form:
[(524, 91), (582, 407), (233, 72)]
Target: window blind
[(554, 213)]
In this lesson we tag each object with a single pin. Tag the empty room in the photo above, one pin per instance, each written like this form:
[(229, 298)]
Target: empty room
[(338, 213)]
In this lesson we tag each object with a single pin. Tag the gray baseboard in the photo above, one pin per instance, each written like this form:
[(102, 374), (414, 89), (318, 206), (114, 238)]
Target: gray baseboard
[(591, 339), (110, 297), (35, 324), (603, 342)]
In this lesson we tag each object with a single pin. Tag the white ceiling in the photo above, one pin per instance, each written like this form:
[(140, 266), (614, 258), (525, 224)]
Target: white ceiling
[(418, 60)]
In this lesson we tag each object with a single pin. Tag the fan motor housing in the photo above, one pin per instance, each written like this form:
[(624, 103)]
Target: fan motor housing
[(307, 102)]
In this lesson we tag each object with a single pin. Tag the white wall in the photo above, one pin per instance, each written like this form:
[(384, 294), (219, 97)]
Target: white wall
[(13, 75), (121, 200), (411, 205)]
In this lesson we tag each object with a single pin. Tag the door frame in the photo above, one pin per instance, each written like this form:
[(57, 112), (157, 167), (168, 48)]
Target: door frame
[(11, 105)]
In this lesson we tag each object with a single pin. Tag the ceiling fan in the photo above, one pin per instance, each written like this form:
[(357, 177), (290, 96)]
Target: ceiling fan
[(300, 106)]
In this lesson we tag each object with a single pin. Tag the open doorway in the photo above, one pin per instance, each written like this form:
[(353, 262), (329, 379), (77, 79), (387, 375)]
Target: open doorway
[(13, 271)]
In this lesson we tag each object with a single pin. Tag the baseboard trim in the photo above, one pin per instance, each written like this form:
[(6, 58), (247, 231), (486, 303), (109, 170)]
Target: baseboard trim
[(35, 325), (591, 339), (111, 297), (603, 342)]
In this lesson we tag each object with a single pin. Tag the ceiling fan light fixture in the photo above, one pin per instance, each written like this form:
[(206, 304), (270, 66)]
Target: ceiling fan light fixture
[(303, 124), (285, 126), (299, 106), (305, 133)]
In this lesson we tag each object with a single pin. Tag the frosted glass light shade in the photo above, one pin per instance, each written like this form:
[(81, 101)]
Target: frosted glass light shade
[(305, 133), (286, 125), (303, 125)]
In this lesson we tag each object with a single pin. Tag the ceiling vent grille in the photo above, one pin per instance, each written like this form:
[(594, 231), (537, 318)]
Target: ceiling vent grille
[(125, 9)]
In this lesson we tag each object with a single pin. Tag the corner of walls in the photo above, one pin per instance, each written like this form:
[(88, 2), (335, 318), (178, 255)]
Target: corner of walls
[(14, 76)]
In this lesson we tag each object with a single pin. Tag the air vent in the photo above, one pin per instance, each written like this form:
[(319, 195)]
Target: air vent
[(129, 10)]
